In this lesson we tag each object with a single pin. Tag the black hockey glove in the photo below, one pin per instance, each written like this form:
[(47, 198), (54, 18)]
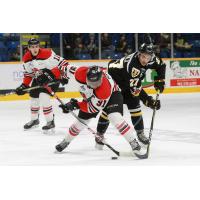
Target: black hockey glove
[(159, 85), (70, 106), (151, 103), (20, 90), (64, 81), (45, 77)]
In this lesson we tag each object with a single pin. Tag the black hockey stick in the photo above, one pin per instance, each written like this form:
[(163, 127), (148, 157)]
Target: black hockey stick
[(151, 127), (146, 155), (27, 89), (93, 132)]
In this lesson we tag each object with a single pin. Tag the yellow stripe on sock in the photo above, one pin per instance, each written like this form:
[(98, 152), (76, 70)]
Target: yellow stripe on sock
[(136, 114), (104, 117)]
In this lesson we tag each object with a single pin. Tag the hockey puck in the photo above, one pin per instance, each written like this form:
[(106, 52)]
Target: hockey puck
[(114, 158)]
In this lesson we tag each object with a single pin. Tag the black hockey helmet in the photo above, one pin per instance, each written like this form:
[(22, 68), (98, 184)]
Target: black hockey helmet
[(94, 76), (33, 41), (146, 48)]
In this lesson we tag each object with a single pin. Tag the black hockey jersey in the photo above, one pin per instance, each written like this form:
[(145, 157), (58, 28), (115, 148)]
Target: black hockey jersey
[(128, 72)]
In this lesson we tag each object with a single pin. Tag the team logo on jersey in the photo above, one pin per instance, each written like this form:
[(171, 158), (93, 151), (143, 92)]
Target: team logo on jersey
[(36, 72), (135, 72)]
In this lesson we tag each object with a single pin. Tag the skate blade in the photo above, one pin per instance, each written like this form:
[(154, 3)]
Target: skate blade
[(33, 127), (50, 131)]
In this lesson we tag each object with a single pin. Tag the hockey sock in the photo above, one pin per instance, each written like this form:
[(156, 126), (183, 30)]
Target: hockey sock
[(137, 120), (47, 107), (35, 107), (75, 129), (103, 123), (122, 126)]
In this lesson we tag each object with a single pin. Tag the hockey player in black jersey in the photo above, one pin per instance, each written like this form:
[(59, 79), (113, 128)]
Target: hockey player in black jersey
[(128, 72)]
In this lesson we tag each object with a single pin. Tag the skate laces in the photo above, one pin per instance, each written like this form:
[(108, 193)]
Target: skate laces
[(64, 142), (135, 145), (49, 123), (31, 122), (142, 136)]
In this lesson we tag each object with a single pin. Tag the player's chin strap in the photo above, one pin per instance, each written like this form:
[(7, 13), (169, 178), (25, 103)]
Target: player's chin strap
[(27, 89), (92, 131)]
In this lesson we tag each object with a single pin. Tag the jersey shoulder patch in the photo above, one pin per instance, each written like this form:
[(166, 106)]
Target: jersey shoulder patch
[(44, 54), (104, 91), (80, 74), (27, 57)]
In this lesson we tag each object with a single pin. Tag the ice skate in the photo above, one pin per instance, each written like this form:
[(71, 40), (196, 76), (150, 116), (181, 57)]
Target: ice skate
[(137, 150), (98, 141), (135, 146), (49, 127), (60, 147), (32, 124), (144, 141)]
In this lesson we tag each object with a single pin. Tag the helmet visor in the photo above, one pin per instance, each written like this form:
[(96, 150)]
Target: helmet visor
[(94, 84)]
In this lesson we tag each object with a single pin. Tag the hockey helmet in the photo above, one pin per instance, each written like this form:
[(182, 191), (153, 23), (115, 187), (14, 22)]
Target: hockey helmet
[(146, 48), (94, 76), (33, 41)]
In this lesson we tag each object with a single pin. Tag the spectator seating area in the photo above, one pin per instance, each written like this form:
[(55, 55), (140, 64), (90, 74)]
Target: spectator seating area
[(9, 42), (85, 46), (77, 46), (192, 39)]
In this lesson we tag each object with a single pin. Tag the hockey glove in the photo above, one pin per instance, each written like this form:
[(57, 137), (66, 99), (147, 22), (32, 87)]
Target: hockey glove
[(159, 85), (64, 81), (70, 106), (151, 103), (45, 77), (20, 89)]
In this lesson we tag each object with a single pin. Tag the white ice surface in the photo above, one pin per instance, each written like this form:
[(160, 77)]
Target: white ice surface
[(175, 141)]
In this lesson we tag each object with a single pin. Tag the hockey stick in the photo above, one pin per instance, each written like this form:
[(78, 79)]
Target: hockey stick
[(151, 127), (145, 156), (27, 89), (92, 131)]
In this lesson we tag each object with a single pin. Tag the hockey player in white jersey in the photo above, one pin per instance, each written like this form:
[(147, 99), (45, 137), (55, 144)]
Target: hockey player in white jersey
[(42, 66)]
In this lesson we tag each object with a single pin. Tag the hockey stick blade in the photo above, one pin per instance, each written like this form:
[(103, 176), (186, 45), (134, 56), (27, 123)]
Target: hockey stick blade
[(112, 149), (132, 154)]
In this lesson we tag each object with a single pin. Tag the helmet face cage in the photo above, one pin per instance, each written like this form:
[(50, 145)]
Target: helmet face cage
[(33, 41), (95, 84), (94, 77)]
